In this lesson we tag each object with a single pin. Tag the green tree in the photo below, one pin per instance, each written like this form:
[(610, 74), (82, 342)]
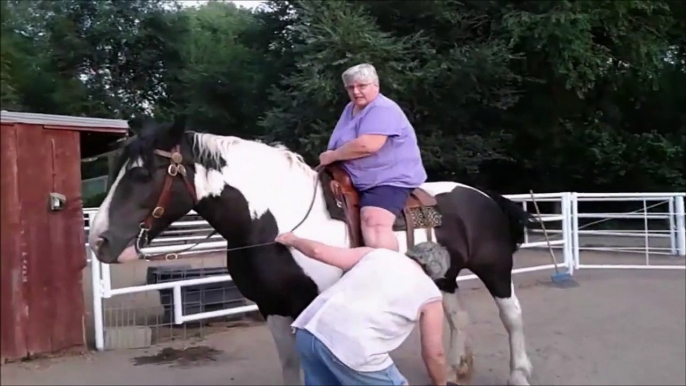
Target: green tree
[(424, 74), (218, 79), (512, 95), (94, 58)]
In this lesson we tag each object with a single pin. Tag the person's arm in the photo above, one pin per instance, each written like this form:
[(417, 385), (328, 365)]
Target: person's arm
[(343, 258), (377, 125), (431, 330), (359, 147)]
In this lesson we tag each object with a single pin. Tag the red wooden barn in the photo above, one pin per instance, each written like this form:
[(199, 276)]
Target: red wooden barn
[(42, 252)]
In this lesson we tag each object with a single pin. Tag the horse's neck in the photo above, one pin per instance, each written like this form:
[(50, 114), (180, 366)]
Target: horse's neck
[(226, 220), (283, 195)]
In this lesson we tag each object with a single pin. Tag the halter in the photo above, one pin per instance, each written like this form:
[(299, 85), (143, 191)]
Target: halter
[(176, 168)]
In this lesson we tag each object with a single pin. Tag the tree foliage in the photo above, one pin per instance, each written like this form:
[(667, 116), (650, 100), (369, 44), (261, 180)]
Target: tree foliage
[(548, 95)]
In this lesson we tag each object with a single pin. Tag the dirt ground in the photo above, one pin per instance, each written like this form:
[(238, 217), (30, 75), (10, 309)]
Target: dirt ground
[(617, 327)]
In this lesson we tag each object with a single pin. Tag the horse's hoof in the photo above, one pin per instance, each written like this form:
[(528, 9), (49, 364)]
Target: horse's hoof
[(465, 370)]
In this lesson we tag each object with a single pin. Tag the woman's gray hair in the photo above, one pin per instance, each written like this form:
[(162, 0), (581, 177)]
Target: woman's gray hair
[(433, 257), (364, 71)]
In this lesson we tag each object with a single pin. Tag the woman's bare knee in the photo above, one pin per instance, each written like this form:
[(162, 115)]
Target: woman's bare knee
[(376, 217)]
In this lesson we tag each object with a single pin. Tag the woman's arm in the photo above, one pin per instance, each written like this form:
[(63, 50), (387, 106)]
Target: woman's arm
[(376, 126), (431, 332), (361, 146), (343, 258)]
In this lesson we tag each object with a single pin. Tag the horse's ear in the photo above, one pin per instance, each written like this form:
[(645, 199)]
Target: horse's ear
[(141, 124), (178, 128), (135, 125)]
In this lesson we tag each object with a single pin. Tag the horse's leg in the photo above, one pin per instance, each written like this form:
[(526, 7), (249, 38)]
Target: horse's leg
[(284, 339), (511, 316), (502, 289), (456, 341)]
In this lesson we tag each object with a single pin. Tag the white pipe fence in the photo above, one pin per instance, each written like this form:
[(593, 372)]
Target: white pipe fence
[(675, 232), (567, 232)]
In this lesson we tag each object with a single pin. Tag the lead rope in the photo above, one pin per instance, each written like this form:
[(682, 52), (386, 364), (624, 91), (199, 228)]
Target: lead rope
[(175, 255)]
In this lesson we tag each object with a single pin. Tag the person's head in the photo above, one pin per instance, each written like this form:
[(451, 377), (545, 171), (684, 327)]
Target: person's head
[(362, 83), (433, 258)]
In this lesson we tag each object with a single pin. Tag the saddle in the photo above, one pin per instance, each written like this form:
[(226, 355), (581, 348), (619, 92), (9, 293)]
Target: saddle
[(342, 201)]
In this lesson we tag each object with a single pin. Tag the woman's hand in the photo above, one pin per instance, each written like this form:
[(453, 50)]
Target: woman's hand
[(286, 239), (327, 157)]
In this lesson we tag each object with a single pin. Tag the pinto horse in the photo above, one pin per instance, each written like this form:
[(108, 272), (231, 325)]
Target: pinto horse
[(249, 192)]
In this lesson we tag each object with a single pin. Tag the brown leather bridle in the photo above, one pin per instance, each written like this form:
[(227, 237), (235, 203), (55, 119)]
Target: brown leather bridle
[(175, 168)]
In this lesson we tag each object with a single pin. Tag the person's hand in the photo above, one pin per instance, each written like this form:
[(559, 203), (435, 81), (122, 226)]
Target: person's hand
[(327, 157), (286, 238)]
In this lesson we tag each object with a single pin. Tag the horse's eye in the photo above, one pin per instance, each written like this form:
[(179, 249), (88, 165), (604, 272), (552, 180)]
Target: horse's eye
[(139, 174)]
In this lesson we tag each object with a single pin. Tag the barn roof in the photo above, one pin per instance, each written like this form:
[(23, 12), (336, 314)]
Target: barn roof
[(116, 126)]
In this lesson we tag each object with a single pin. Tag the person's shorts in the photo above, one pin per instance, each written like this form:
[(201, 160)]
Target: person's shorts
[(391, 198), (322, 368)]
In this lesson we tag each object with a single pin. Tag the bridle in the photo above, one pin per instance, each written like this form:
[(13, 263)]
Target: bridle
[(176, 168)]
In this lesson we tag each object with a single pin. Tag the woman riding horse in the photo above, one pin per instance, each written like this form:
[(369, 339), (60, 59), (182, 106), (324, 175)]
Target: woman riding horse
[(376, 144)]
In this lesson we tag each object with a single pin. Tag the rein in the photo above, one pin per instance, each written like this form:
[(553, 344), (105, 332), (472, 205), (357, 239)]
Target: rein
[(176, 168)]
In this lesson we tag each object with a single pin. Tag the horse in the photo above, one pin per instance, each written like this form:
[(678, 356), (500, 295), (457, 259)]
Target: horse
[(250, 192)]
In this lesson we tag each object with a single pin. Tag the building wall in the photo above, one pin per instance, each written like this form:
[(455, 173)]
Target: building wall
[(42, 251)]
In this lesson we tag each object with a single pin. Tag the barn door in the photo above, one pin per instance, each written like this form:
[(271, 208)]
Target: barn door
[(66, 239), (42, 265)]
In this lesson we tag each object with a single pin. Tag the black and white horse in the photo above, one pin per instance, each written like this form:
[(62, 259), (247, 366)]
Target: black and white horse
[(249, 192)]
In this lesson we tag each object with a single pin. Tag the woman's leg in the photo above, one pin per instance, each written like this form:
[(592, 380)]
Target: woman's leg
[(379, 207), (390, 376), (316, 371)]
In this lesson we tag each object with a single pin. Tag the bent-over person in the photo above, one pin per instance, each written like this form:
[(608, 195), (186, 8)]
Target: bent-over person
[(345, 335)]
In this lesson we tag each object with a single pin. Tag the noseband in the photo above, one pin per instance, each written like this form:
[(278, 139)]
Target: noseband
[(175, 168)]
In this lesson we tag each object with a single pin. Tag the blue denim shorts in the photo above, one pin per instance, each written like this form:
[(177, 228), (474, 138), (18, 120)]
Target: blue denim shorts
[(322, 368), (391, 198)]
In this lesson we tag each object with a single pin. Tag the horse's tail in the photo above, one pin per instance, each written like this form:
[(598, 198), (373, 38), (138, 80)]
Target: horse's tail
[(518, 218)]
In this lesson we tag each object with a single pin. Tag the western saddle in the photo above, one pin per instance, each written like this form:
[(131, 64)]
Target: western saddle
[(420, 211)]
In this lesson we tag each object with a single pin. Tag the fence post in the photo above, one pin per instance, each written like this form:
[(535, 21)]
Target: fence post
[(567, 231), (96, 291), (672, 227), (96, 284), (680, 226), (575, 229), (526, 233)]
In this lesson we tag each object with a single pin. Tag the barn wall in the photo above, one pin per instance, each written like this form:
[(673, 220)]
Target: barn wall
[(13, 310), (47, 304)]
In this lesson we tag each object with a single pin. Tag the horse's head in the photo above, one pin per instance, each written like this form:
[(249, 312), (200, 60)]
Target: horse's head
[(153, 188)]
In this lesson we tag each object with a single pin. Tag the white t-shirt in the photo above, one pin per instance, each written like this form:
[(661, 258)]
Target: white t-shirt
[(371, 310)]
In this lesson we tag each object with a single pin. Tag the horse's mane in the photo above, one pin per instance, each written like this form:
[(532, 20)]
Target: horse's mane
[(216, 147), (210, 147)]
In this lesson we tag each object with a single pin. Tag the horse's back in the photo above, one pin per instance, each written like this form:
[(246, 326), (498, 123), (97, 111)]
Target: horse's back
[(445, 187)]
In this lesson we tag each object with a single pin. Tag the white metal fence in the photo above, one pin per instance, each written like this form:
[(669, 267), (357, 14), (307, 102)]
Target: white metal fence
[(568, 231), (656, 230)]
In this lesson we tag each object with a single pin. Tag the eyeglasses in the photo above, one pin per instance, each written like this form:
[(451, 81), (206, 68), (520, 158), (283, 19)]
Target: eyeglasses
[(360, 87)]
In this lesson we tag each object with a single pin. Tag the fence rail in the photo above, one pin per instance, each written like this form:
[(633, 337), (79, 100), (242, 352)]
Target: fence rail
[(563, 227)]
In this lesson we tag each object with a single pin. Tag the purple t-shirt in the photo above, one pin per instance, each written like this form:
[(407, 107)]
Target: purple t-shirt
[(398, 162)]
